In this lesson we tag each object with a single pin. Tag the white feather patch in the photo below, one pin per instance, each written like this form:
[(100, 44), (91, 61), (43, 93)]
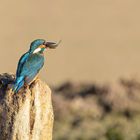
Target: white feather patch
[(37, 50)]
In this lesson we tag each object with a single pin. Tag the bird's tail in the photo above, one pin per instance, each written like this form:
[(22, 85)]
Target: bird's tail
[(19, 82)]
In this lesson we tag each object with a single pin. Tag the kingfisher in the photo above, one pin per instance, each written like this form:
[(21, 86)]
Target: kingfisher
[(31, 63)]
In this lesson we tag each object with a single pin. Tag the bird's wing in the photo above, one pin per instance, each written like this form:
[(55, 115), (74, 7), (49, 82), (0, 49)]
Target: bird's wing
[(32, 66), (21, 62)]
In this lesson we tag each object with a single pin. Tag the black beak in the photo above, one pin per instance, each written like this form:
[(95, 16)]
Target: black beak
[(52, 45)]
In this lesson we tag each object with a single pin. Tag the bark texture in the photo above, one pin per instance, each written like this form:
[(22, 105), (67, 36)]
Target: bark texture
[(27, 115)]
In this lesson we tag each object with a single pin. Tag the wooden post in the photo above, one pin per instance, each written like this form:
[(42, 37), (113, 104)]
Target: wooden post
[(27, 115)]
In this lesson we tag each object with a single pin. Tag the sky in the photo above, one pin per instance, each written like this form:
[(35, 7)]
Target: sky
[(100, 38)]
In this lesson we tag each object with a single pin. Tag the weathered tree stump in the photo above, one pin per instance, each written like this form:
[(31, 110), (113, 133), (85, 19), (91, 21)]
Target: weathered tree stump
[(27, 115)]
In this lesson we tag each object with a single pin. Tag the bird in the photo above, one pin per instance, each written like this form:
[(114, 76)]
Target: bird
[(31, 63)]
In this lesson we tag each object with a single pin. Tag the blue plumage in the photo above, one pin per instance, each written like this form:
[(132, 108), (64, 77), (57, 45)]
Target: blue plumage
[(30, 63), (27, 71)]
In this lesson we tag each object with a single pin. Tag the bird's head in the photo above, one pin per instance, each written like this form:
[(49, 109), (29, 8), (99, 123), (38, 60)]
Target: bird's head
[(39, 45)]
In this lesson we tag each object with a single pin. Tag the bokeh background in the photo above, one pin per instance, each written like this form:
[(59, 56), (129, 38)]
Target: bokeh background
[(94, 73)]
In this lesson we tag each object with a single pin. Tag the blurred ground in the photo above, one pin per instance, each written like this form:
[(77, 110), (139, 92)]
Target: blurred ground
[(94, 112), (100, 38)]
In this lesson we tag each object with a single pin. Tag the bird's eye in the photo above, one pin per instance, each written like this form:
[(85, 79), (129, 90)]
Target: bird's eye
[(44, 43)]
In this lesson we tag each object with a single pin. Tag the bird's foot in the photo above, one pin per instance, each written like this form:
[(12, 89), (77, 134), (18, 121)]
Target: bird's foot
[(26, 86)]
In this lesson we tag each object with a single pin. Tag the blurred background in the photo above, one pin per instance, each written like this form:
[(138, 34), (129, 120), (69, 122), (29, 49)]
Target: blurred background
[(95, 72)]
